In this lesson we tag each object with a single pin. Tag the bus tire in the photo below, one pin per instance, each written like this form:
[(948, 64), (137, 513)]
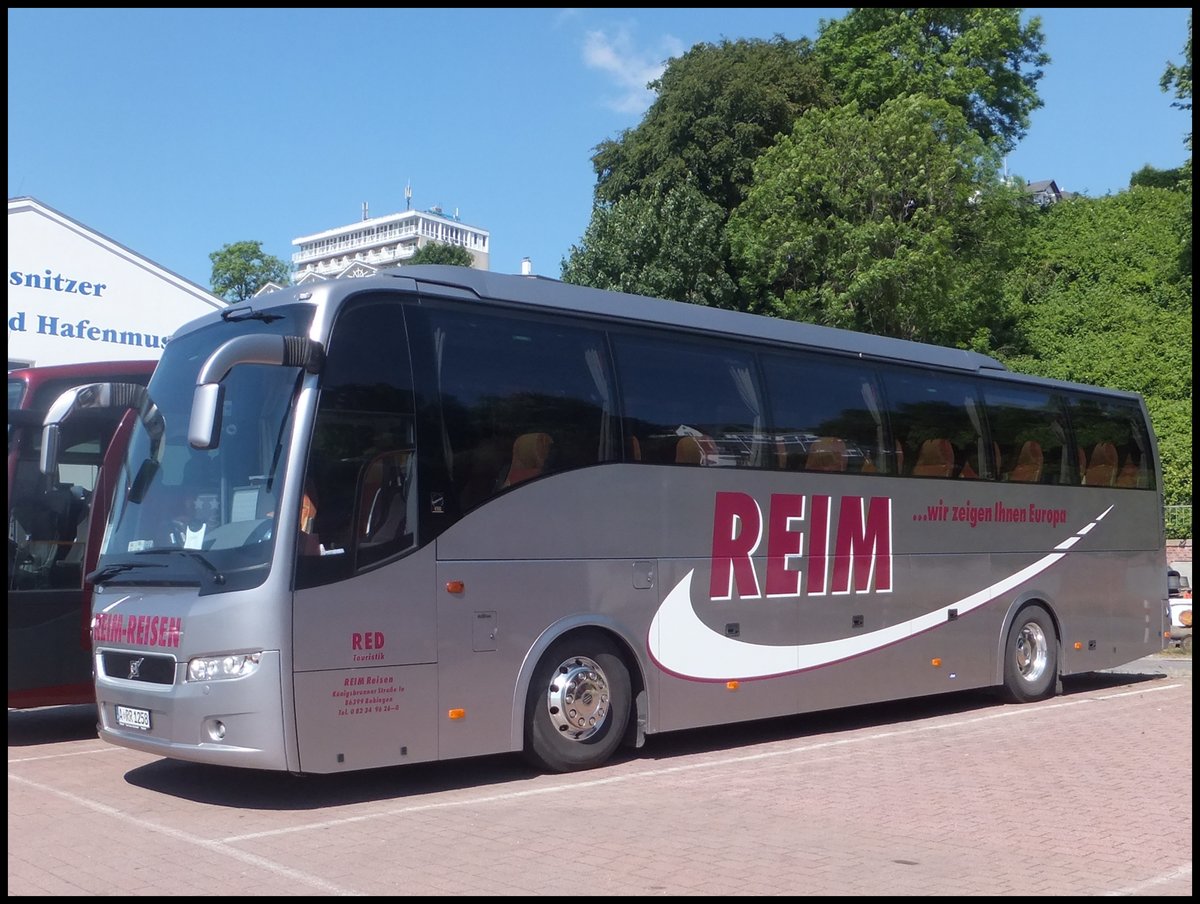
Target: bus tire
[(1031, 657), (578, 705)]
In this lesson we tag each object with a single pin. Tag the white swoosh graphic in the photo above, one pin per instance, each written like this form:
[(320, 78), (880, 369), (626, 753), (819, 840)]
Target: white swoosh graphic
[(682, 644)]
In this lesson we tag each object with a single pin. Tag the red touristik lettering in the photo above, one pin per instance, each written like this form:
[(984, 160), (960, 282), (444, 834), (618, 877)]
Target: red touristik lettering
[(862, 552), (367, 640)]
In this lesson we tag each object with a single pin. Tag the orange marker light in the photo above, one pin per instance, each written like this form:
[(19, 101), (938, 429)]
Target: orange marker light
[(1078, 645), (936, 663), (456, 714), (732, 685), (455, 586)]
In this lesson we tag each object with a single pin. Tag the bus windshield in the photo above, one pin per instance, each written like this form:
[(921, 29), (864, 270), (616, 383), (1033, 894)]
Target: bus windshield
[(205, 517)]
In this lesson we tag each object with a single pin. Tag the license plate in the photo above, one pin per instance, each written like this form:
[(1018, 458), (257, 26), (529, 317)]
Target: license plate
[(128, 717)]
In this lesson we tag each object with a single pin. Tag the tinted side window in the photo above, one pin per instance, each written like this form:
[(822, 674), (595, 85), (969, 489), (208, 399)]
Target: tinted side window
[(1113, 444), (360, 504), (826, 416), (690, 403), (1029, 435), (518, 398), (937, 423)]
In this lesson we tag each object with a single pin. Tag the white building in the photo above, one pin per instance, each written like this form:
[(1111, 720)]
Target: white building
[(76, 296), (374, 244)]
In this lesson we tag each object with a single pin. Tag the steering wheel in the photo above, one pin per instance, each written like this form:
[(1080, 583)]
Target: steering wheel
[(261, 533)]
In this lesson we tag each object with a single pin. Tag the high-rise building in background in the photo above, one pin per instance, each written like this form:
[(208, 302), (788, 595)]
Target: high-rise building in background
[(377, 243)]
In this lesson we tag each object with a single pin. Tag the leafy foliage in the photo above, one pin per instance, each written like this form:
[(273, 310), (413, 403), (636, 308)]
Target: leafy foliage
[(242, 268), (1151, 177), (1103, 296), (718, 107), (442, 253), (891, 222), (980, 60), (1179, 76), (689, 163), (666, 244)]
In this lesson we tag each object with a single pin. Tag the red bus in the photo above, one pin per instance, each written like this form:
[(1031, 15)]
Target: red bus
[(54, 527)]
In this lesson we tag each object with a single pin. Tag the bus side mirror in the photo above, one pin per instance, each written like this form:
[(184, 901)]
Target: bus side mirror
[(49, 456), (204, 427)]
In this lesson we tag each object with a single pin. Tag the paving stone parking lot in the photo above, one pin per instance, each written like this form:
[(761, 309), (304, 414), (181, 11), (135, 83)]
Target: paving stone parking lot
[(1089, 793)]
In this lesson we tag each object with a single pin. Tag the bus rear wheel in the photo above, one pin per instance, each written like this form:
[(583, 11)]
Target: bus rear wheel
[(578, 705), (1030, 657)]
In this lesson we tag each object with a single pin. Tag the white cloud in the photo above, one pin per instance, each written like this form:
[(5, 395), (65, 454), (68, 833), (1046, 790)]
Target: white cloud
[(629, 68)]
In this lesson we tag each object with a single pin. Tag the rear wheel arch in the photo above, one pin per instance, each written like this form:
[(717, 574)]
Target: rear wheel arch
[(601, 663)]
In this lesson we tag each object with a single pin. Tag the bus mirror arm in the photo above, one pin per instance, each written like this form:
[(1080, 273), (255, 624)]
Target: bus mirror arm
[(80, 398), (204, 428)]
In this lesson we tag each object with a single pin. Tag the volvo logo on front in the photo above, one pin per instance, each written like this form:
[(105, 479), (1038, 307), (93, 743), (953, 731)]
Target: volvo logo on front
[(135, 666)]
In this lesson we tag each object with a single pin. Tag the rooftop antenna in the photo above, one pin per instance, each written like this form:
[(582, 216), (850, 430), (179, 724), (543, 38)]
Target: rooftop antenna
[(365, 216), (408, 196)]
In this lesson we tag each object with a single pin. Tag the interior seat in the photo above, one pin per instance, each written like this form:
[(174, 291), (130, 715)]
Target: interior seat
[(530, 451)]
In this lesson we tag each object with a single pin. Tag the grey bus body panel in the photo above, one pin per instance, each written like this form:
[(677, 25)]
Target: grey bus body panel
[(429, 655)]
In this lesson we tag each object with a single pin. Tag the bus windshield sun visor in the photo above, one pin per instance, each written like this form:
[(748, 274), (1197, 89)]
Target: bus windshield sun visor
[(204, 428)]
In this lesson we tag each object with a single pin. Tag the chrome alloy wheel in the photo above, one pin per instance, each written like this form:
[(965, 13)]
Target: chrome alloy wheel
[(578, 698), (1032, 652)]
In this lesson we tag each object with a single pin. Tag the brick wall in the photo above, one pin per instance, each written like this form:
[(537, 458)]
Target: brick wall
[(1179, 551)]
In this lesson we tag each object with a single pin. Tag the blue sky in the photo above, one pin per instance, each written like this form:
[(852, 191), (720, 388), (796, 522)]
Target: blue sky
[(177, 131)]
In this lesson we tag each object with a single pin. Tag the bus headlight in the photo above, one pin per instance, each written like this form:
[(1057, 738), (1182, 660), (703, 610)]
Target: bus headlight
[(214, 668)]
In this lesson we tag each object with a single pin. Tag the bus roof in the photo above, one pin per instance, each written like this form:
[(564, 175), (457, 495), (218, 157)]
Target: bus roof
[(546, 293), (542, 292)]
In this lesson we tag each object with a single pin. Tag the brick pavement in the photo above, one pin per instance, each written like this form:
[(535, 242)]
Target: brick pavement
[(1085, 794)]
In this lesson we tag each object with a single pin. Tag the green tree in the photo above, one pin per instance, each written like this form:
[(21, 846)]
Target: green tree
[(1152, 177), (1179, 77), (666, 244), (981, 60), (242, 268), (442, 253), (1103, 299), (717, 108), (892, 222)]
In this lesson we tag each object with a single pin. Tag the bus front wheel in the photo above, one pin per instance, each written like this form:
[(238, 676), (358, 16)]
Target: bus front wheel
[(578, 705), (1030, 657)]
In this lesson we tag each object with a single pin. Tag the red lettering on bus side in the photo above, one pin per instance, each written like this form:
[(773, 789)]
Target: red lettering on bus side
[(818, 546), (737, 530), (784, 544), (864, 545), (356, 641), (152, 638)]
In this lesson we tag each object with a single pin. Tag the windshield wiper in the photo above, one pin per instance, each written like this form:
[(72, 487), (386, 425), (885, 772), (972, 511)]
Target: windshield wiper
[(217, 576), (108, 571), (246, 312)]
